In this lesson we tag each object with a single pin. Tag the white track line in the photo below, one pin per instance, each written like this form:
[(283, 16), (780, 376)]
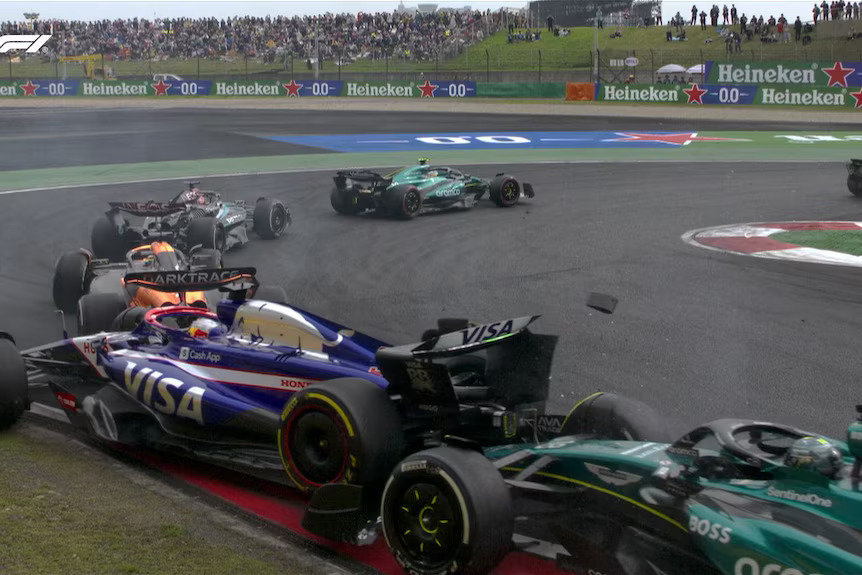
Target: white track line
[(367, 167)]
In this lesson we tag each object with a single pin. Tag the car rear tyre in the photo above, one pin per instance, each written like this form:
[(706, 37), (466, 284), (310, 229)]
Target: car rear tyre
[(207, 233), (447, 510), (107, 242), (505, 191), (13, 384), (854, 184), (403, 202), (97, 311), (270, 218), (70, 280), (611, 416), (342, 203), (344, 430)]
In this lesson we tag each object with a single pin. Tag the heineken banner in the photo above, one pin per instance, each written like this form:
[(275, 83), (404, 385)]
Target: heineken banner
[(427, 89), (826, 74), (40, 88), (679, 94), (293, 88), (809, 96)]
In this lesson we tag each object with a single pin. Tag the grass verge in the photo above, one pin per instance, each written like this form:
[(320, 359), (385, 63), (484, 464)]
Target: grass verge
[(66, 508), (844, 241)]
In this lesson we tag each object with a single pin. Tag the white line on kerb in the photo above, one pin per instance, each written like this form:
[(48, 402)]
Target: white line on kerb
[(331, 169)]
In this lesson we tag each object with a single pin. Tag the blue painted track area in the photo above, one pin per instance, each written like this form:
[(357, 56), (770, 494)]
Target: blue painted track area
[(489, 141)]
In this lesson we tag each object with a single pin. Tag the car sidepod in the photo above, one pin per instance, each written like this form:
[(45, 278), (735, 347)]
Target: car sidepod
[(741, 533)]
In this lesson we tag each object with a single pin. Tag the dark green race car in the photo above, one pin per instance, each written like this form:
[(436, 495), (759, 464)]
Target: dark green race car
[(420, 189)]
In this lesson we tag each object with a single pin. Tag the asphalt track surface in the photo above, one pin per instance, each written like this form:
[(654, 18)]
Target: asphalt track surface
[(698, 334)]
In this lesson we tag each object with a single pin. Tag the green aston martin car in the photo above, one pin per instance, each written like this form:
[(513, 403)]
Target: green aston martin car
[(419, 189)]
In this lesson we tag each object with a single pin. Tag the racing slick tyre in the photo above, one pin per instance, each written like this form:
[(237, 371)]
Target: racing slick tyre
[(70, 280), (342, 204), (207, 233), (447, 510), (343, 430), (403, 202), (129, 318), (505, 191), (14, 397), (612, 416), (107, 242), (270, 218), (854, 184), (96, 312), (275, 294)]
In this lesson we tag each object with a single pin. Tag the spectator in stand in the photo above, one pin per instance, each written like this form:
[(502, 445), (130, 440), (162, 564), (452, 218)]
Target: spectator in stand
[(724, 14), (797, 27), (550, 23), (702, 20), (693, 15), (816, 13), (417, 36), (733, 15), (824, 10)]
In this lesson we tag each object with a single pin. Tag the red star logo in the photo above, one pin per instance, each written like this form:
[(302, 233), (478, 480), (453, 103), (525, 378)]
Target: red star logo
[(695, 94), (681, 139), (858, 96), (293, 88), (29, 88), (428, 89), (838, 74), (161, 88)]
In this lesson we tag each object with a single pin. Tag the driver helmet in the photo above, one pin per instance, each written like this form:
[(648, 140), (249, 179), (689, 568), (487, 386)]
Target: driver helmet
[(816, 454), (193, 196), (206, 327)]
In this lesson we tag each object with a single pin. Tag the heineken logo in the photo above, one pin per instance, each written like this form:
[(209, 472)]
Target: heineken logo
[(645, 94), (386, 90), (779, 74), (253, 89), (114, 89), (8, 91), (813, 98)]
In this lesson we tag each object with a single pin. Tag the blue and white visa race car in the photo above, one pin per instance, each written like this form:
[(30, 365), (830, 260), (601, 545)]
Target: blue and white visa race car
[(276, 391)]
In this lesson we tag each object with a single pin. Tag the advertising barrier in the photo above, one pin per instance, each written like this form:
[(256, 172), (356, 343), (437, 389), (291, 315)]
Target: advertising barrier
[(427, 89), (825, 74), (768, 94), (678, 94), (40, 88), (294, 88), (522, 90), (581, 92), (732, 94)]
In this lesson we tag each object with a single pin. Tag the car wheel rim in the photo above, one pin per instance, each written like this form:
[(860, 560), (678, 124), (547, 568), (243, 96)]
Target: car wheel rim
[(510, 191), (427, 525), (276, 220), (316, 446), (411, 202)]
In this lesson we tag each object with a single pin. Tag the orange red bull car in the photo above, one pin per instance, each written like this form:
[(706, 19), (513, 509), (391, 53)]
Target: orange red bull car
[(96, 290)]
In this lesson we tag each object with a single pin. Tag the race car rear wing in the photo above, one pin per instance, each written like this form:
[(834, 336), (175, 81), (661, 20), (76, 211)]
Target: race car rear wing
[(517, 367), (237, 281), (363, 176), (149, 209)]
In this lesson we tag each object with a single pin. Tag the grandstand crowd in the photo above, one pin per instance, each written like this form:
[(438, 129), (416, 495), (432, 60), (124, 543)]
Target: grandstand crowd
[(405, 35)]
